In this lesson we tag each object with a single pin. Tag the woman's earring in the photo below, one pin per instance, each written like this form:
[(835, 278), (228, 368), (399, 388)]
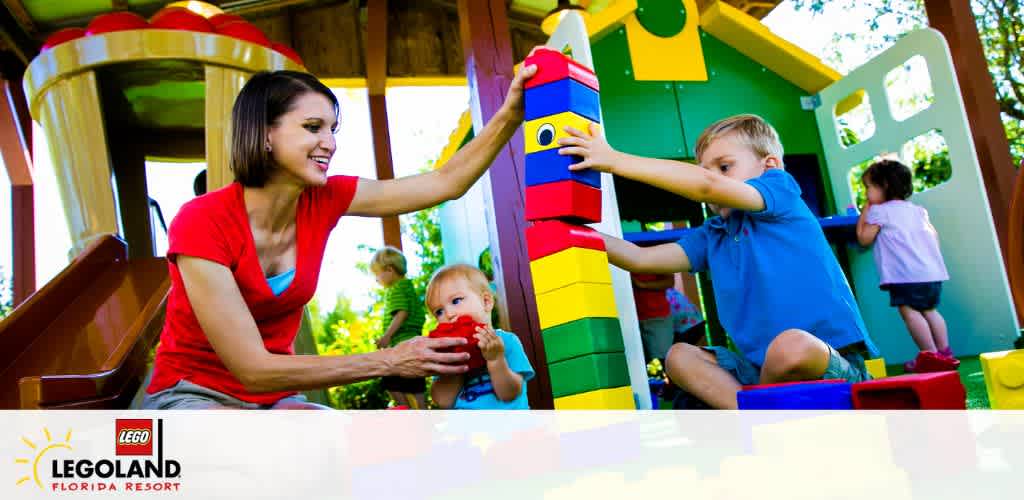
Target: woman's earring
[(268, 148)]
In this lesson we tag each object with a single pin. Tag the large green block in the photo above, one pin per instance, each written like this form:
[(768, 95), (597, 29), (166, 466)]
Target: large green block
[(588, 373), (581, 337)]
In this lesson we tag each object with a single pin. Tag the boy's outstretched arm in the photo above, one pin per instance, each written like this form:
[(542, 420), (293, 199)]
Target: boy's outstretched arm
[(666, 258), (685, 179), (445, 389)]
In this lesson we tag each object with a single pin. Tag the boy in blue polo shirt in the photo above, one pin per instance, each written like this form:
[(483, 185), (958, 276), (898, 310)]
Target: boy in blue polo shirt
[(779, 289)]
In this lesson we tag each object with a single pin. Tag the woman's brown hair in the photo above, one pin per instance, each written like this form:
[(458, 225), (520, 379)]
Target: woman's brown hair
[(263, 99)]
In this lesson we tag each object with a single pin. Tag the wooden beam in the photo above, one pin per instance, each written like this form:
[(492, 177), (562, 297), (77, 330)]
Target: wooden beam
[(21, 15), (14, 149), (955, 20), (488, 50), (15, 37), (376, 46), (385, 170), (376, 80)]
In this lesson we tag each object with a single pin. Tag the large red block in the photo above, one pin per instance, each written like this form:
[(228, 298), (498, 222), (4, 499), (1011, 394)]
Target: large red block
[(552, 236), (922, 391), (463, 327), (552, 65), (563, 200)]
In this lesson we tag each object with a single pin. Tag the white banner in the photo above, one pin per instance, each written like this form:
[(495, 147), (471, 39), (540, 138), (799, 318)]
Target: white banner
[(522, 455)]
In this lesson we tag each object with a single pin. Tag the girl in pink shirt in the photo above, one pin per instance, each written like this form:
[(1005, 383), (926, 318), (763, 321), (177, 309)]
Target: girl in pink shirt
[(910, 265)]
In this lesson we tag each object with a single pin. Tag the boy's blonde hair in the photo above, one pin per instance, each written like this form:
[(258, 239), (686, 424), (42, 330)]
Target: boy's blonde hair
[(752, 130), (475, 277), (388, 256)]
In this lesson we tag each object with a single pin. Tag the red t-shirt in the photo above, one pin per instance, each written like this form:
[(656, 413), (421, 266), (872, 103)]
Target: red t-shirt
[(216, 227), (650, 303)]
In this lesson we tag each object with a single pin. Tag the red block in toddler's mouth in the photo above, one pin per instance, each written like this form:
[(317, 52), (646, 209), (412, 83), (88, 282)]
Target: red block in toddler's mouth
[(463, 327)]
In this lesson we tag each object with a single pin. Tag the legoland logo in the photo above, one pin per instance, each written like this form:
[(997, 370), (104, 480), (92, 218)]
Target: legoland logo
[(133, 439)]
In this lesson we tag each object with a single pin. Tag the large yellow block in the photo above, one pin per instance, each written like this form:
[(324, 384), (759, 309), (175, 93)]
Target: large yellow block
[(576, 301), (876, 367), (1004, 379), (616, 398), (543, 133), (572, 265)]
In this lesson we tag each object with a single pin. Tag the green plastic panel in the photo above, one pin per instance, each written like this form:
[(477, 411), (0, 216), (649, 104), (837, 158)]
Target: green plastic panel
[(588, 373), (581, 337), (736, 84), (640, 118), (47, 11), (976, 301), (664, 18)]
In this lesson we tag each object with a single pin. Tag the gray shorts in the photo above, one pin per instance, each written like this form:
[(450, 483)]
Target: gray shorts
[(846, 365), (656, 335), (188, 396)]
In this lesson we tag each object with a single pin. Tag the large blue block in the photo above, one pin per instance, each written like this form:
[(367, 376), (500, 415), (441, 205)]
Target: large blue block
[(547, 166), (560, 96), (797, 396)]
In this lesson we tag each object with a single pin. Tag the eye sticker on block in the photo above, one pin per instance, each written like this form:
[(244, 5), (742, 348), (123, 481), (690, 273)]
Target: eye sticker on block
[(546, 134), (543, 133)]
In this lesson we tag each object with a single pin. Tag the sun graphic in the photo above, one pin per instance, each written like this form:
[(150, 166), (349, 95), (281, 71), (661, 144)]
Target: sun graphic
[(50, 445)]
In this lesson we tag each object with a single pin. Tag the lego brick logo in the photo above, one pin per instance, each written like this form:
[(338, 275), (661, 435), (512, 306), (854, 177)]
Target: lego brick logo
[(134, 436)]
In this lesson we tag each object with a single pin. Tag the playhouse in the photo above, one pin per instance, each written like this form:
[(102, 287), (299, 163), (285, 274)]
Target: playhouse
[(660, 71)]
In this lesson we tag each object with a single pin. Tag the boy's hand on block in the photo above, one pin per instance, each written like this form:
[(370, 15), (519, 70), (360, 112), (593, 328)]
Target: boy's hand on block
[(463, 327), (597, 154), (490, 343)]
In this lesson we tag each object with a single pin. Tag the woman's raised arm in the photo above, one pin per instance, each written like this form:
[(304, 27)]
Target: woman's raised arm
[(452, 180)]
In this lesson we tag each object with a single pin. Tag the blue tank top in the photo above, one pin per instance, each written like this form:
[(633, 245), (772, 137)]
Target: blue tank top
[(281, 282)]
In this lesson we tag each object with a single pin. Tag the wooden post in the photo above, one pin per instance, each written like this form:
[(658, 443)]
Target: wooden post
[(376, 83), (956, 22), (483, 25), (16, 148)]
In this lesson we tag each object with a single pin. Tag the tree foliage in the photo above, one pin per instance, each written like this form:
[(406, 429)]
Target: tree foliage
[(1000, 27), (6, 297)]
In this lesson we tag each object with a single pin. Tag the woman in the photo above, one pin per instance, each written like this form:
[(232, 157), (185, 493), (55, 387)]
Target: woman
[(244, 259)]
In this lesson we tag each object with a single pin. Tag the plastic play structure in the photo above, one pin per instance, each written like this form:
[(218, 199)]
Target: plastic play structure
[(668, 73), (125, 88), (107, 98)]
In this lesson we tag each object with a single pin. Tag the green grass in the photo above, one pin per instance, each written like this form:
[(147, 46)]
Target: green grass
[(970, 375)]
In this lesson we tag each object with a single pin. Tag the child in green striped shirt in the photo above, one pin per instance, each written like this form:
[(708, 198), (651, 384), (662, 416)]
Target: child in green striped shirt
[(403, 320)]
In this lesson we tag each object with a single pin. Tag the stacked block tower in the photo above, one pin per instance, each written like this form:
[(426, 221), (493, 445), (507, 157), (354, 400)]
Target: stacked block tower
[(575, 301)]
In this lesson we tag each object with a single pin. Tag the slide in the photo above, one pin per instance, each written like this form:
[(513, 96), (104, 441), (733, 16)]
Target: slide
[(82, 341)]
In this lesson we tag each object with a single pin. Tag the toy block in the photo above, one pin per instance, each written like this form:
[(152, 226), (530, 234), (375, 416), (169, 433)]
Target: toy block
[(1004, 379), (462, 327), (563, 199), (576, 301), (544, 167), (617, 398), (588, 373), (551, 236), (924, 391), (581, 337), (876, 367), (560, 96), (544, 133), (572, 265), (809, 395), (553, 65)]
